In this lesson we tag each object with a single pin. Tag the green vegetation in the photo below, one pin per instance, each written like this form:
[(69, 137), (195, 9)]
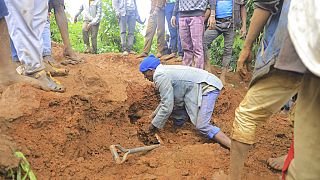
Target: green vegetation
[(24, 170), (109, 36)]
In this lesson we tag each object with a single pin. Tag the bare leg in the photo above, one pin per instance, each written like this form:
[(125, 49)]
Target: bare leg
[(62, 23), (239, 152)]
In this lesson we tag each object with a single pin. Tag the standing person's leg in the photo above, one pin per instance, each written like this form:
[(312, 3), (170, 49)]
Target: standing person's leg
[(131, 29), (227, 53), (14, 54), (263, 99), (27, 41), (26, 24), (151, 30), (85, 35), (123, 32), (180, 50), (62, 22), (161, 42), (172, 30), (46, 37), (209, 36), (203, 123), (8, 72), (94, 35), (186, 41), (49, 62), (307, 129), (197, 30)]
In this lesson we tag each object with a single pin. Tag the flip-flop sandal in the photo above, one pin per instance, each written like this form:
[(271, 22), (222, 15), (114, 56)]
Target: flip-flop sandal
[(54, 71), (51, 84), (276, 163), (69, 61), (78, 59)]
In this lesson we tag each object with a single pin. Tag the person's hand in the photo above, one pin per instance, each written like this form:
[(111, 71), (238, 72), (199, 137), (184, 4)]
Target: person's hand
[(118, 15), (243, 62), (173, 21), (243, 32), (75, 19), (89, 26), (152, 130), (211, 22)]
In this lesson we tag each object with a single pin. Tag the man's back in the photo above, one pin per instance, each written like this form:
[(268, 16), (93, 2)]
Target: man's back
[(186, 73)]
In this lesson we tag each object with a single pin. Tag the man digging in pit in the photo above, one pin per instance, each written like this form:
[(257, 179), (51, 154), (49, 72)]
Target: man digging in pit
[(184, 91)]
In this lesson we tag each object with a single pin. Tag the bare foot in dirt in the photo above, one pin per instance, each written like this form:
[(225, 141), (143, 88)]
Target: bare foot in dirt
[(277, 163), (71, 56)]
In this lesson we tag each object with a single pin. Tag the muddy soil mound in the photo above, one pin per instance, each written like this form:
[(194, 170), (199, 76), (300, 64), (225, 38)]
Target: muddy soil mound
[(67, 136)]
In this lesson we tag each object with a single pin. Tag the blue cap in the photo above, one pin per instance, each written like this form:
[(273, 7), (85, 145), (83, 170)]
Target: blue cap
[(150, 62)]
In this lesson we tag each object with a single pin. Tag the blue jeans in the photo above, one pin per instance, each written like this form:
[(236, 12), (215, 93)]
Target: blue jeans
[(128, 20), (14, 54), (174, 35), (203, 124), (46, 37)]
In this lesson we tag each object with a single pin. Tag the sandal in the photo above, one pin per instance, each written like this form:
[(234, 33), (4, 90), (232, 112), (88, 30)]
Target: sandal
[(54, 70), (47, 83)]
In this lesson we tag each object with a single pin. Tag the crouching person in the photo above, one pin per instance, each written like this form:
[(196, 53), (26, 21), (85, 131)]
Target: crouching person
[(184, 91)]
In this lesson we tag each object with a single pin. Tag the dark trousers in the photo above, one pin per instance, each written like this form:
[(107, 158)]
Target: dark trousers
[(94, 34), (129, 20)]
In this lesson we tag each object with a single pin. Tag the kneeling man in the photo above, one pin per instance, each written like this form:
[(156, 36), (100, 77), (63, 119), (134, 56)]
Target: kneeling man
[(184, 91)]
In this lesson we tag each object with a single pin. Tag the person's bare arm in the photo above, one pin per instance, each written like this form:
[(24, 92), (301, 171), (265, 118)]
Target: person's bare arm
[(243, 13), (258, 21)]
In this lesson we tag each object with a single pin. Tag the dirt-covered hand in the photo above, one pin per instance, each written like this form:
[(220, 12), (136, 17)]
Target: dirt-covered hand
[(152, 130), (173, 21), (243, 62)]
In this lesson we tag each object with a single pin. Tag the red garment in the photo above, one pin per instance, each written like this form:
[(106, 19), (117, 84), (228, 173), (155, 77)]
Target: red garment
[(288, 160)]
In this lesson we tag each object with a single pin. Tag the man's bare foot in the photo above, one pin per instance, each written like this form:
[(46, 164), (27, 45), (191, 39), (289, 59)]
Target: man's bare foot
[(70, 54), (223, 139), (277, 163)]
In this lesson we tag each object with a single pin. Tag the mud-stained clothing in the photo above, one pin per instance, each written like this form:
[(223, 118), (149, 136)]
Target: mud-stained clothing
[(183, 89)]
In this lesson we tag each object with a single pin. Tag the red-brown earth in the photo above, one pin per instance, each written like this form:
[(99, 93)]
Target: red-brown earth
[(67, 135)]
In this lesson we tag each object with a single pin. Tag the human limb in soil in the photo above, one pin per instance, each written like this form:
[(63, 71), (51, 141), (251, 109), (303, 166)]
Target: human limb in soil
[(27, 40), (62, 22)]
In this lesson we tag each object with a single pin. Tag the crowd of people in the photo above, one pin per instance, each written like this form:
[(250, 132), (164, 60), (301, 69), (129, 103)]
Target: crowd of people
[(287, 63)]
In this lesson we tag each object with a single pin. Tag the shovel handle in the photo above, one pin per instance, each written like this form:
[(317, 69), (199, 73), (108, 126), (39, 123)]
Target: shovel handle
[(115, 154), (119, 160), (143, 149)]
